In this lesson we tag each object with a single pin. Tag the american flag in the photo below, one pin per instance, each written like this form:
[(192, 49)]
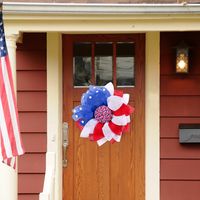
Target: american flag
[(10, 140)]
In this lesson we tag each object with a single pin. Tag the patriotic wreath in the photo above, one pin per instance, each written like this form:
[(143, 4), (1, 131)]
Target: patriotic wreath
[(104, 114)]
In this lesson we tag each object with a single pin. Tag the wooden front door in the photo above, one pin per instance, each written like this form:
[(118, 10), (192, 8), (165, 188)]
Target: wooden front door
[(112, 171)]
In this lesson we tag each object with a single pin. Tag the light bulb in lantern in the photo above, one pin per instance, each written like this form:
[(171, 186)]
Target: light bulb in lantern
[(182, 59), (181, 64)]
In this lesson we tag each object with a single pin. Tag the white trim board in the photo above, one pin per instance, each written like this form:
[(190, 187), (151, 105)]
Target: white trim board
[(100, 18), (152, 116), (54, 106), (78, 8)]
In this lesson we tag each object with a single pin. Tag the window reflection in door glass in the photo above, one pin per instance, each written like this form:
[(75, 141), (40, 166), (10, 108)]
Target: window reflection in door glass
[(125, 64), (103, 63), (82, 64)]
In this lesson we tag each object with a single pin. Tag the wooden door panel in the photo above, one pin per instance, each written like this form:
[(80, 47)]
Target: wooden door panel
[(85, 169), (91, 170), (122, 165), (112, 171)]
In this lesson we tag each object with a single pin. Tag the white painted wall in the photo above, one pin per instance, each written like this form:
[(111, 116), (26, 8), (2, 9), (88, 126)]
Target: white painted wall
[(8, 183)]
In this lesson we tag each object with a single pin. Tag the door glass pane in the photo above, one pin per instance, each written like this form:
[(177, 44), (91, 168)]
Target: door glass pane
[(103, 63), (82, 64), (125, 64)]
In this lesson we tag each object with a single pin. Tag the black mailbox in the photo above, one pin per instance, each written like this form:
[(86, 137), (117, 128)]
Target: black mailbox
[(189, 133)]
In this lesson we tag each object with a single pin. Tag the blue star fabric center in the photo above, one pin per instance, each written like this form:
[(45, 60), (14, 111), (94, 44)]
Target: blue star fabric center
[(94, 97)]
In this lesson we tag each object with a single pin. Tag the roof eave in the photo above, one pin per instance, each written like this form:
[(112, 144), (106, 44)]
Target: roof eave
[(80, 8)]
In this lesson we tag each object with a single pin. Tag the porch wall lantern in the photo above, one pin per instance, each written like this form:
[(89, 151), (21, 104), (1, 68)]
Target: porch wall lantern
[(182, 58)]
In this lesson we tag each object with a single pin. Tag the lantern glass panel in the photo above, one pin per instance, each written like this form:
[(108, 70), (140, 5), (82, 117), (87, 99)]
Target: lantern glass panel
[(182, 60)]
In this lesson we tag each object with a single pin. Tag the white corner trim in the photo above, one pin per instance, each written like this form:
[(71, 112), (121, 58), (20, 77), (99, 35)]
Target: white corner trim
[(152, 116), (49, 180), (54, 105), (54, 91), (80, 8)]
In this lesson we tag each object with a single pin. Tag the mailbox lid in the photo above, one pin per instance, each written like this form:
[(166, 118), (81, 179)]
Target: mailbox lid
[(189, 133)]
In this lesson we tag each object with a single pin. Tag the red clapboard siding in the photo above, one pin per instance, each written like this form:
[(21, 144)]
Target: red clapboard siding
[(31, 80), (32, 105), (171, 149), (169, 126), (33, 42), (180, 106), (180, 190), (32, 101), (30, 183), (38, 58), (32, 163), (28, 197), (31, 141), (174, 85), (33, 122), (180, 169)]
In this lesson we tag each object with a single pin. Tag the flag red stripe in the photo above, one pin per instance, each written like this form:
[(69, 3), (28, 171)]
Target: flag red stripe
[(11, 162), (12, 86), (7, 116), (3, 125), (13, 108), (18, 141), (8, 161), (3, 152)]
